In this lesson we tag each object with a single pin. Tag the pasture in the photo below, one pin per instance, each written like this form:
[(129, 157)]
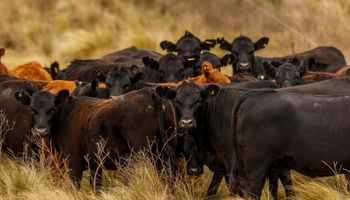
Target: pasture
[(59, 30)]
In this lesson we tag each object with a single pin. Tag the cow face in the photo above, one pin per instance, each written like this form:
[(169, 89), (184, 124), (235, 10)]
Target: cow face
[(188, 46), (170, 68), (194, 164), (44, 106), (243, 49), (188, 98), (286, 74), (120, 81)]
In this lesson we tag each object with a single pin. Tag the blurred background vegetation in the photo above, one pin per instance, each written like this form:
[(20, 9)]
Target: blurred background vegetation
[(48, 30)]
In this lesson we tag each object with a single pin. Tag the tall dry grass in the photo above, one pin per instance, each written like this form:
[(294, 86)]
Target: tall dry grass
[(63, 30)]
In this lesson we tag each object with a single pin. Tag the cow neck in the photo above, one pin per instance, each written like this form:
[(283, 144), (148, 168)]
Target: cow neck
[(62, 113)]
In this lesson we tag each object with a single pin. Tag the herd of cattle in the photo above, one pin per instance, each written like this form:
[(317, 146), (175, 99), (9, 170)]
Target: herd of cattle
[(271, 116)]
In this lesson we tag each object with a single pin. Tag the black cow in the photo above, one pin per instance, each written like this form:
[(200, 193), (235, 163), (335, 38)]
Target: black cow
[(170, 68), (286, 74), (75, 129), (303, 132), (243, 49), (85, 89), (131, 53), (119, 81), (189, 47), (209, 122)]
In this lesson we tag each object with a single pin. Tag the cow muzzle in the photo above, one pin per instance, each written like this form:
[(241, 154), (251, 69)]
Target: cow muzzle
[(41, 132), (244, 66), (195, 171), (186, 123)]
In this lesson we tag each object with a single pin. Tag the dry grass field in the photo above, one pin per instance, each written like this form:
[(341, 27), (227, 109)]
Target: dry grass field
[(62, 30)]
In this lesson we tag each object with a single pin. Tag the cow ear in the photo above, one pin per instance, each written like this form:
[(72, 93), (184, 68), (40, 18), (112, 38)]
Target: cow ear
[(224, 44), (2, 52), (260, 44), (168, 46), (208, 44), (150, 63), (61, 97), (54, 68), (227, 59), (22, 97), (269, 68), (210, 91), (166, 92)]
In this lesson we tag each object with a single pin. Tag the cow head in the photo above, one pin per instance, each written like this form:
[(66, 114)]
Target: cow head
[(188, 98), (170, 68), (120, 81), (44, 106), (215, 61), (286, 74), (188, 46), (187, 148), (243, 48)]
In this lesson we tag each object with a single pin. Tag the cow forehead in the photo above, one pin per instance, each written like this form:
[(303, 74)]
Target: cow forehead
[(43, 100), (188, 41), (188, 94)]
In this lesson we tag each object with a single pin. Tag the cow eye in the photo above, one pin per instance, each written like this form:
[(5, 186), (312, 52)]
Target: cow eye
[(161, 73), (251, 52), (108, 85), (181, 71), (50, 111), (235, 52), (297, 79), (34, 112), (126, 87)]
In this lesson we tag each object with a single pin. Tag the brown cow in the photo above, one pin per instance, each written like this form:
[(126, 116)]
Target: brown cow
[(31, 71), (209, 75), (113, 122)]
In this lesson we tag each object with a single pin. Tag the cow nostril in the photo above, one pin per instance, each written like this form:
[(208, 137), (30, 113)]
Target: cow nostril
[(186, 123)]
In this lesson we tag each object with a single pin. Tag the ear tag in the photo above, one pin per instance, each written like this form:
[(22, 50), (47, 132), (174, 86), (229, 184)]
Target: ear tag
[(208, 42), (56, 70), (20, 94), (212, 92), (190, 59)]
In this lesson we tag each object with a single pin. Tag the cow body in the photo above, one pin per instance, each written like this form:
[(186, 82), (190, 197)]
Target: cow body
[(112, 121), (299, 131)]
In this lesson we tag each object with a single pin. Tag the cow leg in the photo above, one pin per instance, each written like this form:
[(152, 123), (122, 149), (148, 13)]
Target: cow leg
[(76, 170), (214, 184), (286, 180), (273, 183), (96, 178), (252, 181)]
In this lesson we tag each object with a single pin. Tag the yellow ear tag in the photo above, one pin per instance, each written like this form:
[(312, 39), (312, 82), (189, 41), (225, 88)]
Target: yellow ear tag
[(56, 70), (190, 58), (212, 92), (208, 42)]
